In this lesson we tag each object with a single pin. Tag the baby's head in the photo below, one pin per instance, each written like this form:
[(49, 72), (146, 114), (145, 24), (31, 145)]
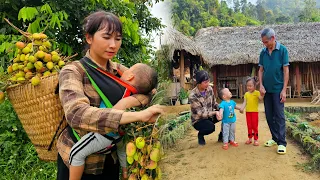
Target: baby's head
[(225, 94), (142, 77), (251, 84)]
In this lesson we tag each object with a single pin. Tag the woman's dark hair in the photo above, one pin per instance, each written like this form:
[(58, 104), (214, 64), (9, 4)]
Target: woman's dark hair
[(102, 20)]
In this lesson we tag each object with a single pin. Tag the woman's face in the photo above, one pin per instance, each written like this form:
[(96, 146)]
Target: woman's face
[(103, 44), (204, 84)]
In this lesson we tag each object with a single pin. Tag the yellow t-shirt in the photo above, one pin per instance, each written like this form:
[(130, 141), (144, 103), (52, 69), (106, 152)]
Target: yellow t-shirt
[(252, 101)]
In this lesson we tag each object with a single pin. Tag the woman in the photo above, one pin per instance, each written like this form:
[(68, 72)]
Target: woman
[(80, 100), (203, 104)]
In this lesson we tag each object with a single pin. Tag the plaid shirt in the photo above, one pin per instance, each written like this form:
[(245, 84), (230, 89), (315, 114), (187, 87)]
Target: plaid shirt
[(80, 102), (201, 105)]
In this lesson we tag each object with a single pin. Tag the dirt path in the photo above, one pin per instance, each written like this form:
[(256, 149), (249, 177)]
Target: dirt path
[(189, 161)]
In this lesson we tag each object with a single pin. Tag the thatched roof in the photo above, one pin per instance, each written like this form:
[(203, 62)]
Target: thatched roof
[(177, 41), (242, 45)]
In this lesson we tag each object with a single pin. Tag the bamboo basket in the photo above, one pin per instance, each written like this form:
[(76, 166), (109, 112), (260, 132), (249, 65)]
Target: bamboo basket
[(41, 114)]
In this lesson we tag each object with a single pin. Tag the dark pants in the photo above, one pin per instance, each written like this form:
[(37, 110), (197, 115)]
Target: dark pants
[(110, 171), (205, 127), (274, 110)]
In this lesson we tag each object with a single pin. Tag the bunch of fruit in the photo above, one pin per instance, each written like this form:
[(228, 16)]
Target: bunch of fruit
[(144, 153), (34, 59)]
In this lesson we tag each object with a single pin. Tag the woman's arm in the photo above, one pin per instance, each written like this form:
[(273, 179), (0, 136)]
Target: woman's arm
[(196, 108), (80, 115)]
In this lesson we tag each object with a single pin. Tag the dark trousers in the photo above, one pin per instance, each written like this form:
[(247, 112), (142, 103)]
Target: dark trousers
[(274, 110), (110, 171), (205, 127)]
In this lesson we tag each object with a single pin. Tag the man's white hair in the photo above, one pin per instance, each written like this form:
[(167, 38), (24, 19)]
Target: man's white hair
[(268, 32)]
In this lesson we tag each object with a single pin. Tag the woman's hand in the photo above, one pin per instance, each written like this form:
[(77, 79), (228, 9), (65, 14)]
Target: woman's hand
[(151, 114)]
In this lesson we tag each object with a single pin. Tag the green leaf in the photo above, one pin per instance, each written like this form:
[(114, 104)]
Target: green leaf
[(46, 8), (22, 14), (31, 13)]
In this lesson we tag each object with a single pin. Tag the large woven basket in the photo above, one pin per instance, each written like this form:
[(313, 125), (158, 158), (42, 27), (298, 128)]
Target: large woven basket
[(40, 112)]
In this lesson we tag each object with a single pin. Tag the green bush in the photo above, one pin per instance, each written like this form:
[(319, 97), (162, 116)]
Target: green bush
[(18, 157)]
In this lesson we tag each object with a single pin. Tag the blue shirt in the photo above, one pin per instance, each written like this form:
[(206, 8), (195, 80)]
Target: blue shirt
[(228, 111), (273, 67)]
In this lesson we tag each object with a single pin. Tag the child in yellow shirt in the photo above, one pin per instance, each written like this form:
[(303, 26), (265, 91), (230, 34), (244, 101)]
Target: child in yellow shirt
[(251, 103)]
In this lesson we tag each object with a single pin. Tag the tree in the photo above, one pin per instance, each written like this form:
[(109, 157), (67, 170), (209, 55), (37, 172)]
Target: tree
[(236, 6), (135, 16)]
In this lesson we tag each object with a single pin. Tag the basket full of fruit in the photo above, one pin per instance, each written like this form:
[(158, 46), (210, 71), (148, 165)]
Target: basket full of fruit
[(32, 91)]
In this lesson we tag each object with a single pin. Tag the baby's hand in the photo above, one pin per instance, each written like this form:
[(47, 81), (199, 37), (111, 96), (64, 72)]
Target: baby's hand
[(218, 116), (241, 111)]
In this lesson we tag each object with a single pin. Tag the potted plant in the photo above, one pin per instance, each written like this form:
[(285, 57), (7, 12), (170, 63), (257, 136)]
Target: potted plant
[(183, 96)]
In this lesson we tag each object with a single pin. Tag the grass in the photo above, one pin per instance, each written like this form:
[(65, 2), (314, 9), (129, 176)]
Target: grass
[(18, 157)]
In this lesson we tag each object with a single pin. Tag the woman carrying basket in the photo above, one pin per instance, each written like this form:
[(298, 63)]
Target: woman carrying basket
[(81, 101)]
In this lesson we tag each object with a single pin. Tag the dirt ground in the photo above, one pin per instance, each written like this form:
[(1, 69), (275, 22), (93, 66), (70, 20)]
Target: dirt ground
[(189, 161)]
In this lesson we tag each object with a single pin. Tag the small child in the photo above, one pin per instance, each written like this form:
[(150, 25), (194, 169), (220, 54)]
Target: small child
[(95, 142), (251, 103), (228, 117)]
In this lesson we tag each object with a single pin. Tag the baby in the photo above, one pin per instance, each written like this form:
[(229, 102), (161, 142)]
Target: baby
[(228, 117), (144, 79)]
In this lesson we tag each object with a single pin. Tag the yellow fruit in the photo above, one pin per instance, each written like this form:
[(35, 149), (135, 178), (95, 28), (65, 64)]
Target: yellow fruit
[(155, 155), (9, 69), (26, 50), (39, 74), (43, 36), (47, 44), (49, 65), (136, 156), (21, 66), (142, 161), (26, 58), (20, 74), (132, 177), (130, 159), (38, 42), (22, 57), (145, 177), (26, 69), (140, 142), (159, 173), (41, 70), (35, 81), (28, 75), (32, 59), (47, 57), (47, 73), (19, 51), (30, 65), (2, 98), (20, 45), (15, 66), (151, 165), (142, 171), (38, 65), (36, 36), (40, 54), (13, 78), (21, 79), (30, 45), (157, 145), (135, 170), (130, 149), (61, 63), (55, 58), (54, 53)]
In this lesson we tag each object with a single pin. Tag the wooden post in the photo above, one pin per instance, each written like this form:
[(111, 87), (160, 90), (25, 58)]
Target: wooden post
[(182, 69), (191, 73), (215, 81), (298, 80)]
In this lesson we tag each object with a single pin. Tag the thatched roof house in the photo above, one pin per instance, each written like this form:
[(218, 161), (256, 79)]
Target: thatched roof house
[(177, 41), (242, 45)]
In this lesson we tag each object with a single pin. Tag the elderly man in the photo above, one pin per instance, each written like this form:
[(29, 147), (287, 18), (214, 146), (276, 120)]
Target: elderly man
[(203, 107), (273, 78)]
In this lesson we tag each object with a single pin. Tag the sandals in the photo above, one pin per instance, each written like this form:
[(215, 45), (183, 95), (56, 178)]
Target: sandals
[(270, 143), (249, 141), (225, 146), (233, 143), (282, 149), (256, 143)]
